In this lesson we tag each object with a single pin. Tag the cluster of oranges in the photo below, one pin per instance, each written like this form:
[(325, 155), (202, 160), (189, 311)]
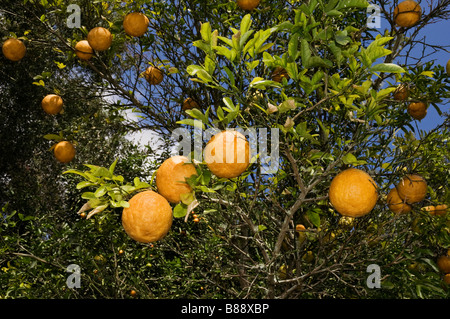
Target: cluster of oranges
[(149, 215), (407, 14)]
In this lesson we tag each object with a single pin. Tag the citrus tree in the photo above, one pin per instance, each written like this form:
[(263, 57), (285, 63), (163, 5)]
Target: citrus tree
[(339, 102)]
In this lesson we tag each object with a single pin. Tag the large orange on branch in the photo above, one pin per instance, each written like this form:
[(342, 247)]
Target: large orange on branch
[(135, 24), (417, 110), (148, 218), (189, 103), (407, 13), (64, 151), (443, 263), (353, 193), (153, 75), (412, 188), (100, 39), (248, 5), (14, 49), (52, 104), (171, 178), (227, 154), (83, 50), (401, 93), (396, 204)]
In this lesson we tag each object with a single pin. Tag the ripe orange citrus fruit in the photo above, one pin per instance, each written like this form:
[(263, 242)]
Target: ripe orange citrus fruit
[(227, 154), (83, 50), (412, 188), (417, 110), (396, 204), (171, 177), (353, 193), (447, 279), (64, 151), (401, 93), (440, 209), (190, 103), (248, 4), (135, 24), (148, 218), (278, 74), (153, 75), (429, 209), (14, 49), (443, 263), (407, 13), (52, 104), (100, 39)]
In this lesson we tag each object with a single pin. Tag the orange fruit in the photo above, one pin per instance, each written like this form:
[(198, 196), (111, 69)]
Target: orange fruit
[(148, 218), (407, 13), (100, 39), (14, 49), (171, 177), (412, 189), (64, 151), (227, 154), (396, 204), (135, 24), (353, 193), (248, 5), (133, 293), (52, 104), (447, 67), (430, 209), (278, 74), (401, 93), (443, 263), (153, 75), (447, 279), (83, 50), (190, 103), (417, 110), (440, 209)]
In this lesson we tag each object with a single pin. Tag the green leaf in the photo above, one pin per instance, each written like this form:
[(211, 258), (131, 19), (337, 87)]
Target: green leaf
[(352, 4), (88, 195), (84, 184), (349, 158), (75, 171), (113, 166), (333, 13), (246, 23), (293, 47), (205, 31), (100, 191), (192, 122), (53, 137), (305, 53), (197, 114), (261, 227), (187, 198), (180, 210), (314, 217), (387, 67)]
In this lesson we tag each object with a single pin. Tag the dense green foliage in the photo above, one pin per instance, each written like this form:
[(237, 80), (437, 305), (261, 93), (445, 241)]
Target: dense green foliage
[(333, 112)]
